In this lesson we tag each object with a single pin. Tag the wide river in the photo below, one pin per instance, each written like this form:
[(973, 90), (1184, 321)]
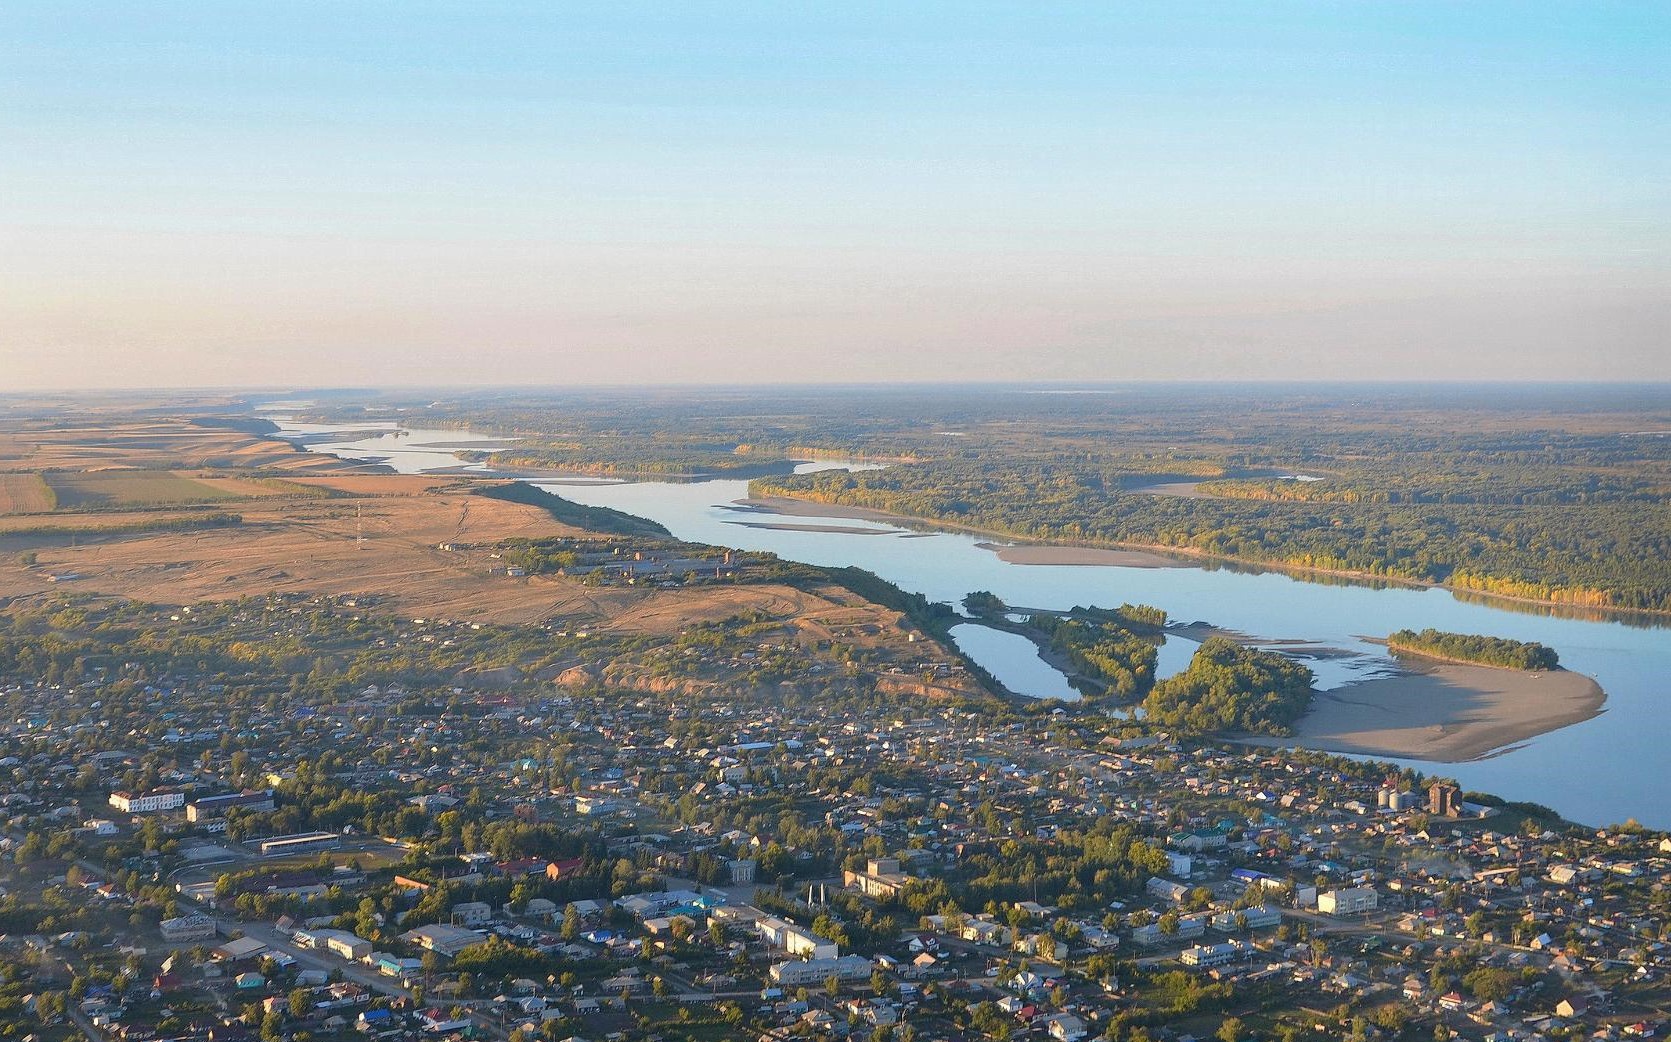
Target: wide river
[(1604, 770)]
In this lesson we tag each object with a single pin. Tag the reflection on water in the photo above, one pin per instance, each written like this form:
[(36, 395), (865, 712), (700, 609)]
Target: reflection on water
[(1014, 660)]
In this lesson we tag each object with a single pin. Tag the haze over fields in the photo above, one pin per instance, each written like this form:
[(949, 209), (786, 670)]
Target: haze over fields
[(201, 194)]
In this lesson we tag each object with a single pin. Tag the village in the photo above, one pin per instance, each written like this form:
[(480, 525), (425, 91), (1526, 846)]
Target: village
[(555, 862)]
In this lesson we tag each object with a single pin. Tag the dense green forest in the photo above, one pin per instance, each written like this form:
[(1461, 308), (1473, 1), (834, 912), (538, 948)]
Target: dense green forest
[(1228, 687), (1102, 650), (1468, 647), (1615, 555)]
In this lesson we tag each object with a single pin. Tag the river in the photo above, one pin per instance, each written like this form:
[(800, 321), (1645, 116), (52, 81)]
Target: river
[(1600, 771)]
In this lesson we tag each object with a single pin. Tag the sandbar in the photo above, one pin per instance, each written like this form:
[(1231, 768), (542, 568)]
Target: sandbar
[(807, 508), (1051, 553), (1444, 712), (835, 529)]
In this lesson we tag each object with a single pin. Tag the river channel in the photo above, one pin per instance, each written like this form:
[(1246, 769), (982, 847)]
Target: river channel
[(1606, 769)]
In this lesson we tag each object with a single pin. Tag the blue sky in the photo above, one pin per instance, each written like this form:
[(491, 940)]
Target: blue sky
[(360, 192)]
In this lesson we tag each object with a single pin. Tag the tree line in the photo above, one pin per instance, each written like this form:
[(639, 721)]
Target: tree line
[(1472, 647)]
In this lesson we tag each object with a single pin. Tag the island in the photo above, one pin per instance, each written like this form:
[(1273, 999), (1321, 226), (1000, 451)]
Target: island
[(1474, 649)]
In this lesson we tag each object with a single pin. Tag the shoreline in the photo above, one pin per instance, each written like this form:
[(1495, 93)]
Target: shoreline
[(1059, 555), (813, 508), (1443, 712)]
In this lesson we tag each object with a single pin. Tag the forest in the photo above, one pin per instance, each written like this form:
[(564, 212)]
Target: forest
[(1103, 650), (1614, 555), (1228, 687), (1469, 647)]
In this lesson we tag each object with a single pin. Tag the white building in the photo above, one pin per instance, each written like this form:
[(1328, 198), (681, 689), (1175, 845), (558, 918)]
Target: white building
[(795, 940), (1351, 901), (147, 802), (817, 971), (188, 928), (1254, 919), (1206, 955)]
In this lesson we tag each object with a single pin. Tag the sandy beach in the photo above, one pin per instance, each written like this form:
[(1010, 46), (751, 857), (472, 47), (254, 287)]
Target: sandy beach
[(1444, 712)]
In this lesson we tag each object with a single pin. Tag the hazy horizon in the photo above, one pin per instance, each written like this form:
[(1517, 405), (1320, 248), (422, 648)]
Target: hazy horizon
[(504, 194)]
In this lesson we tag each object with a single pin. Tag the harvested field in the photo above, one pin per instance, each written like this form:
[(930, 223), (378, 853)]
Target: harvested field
[(137, 506), (256, 488), (90, 523), (95, 490), (374, 484), (25, 494), (170, 444)]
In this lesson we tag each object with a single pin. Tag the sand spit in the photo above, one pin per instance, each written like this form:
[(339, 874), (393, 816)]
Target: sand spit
[(1444, 712), (806, 508), (1088, 556), (835, 529)]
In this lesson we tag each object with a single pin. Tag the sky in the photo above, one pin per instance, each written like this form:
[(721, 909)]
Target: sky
[(359, 192)]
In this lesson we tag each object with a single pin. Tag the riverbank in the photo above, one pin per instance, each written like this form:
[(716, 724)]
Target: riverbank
[(1189, 556), (1444, 712), (1027, 553)]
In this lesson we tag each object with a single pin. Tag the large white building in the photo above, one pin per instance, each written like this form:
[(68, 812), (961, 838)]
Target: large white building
[(1205, 955), (817, 971), (443, 939), (147, 802), (1351, 901), (881, 879), (795, 940), (188, 928)]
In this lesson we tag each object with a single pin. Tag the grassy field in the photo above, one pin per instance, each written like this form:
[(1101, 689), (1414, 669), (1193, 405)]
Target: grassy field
[(25, 494), (131, 488)]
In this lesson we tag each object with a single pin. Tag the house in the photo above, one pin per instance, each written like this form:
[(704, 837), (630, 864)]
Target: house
[(1571, 1007), (1065, 1027), (984, 931)]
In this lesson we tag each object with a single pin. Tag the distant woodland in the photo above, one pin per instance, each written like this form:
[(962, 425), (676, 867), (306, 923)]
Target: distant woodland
[(1546, 494)]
